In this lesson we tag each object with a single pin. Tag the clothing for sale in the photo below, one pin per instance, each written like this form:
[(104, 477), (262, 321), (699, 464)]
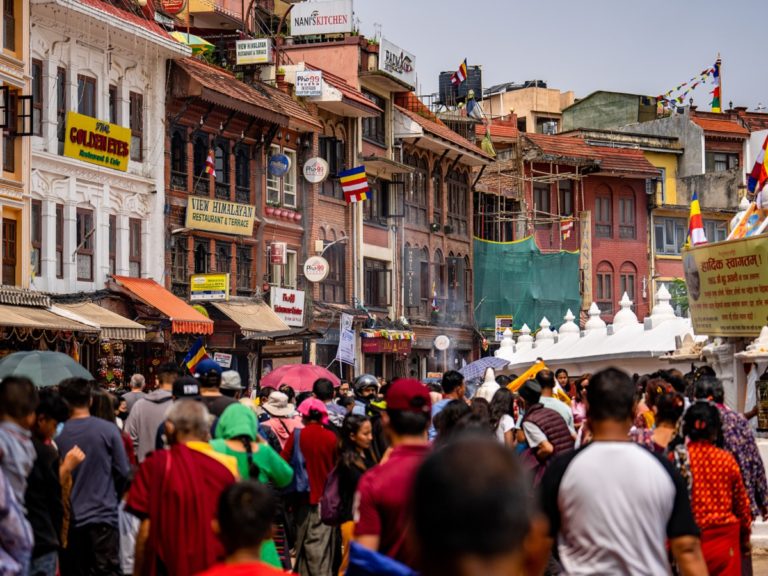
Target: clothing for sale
[(591, 496)]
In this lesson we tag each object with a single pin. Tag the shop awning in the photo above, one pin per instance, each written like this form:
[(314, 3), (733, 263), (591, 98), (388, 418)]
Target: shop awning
[(257, 321), (40, 319), (184, 318), (113, 326)]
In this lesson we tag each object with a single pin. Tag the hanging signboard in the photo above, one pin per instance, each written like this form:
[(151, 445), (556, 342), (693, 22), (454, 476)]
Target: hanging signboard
[(412, 277), (316, 170), (309, 83), (346, 351), (316, 269), (222, 359), (278, 253), (397, 62), (173, 7), (289, 305), (585, 256), (219, 216), (97, 142), (728, 287), (330, 17), (209, 287), (278, 165), (502, 323), (256, 51)]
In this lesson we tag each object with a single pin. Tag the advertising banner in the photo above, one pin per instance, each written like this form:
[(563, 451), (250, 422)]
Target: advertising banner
[(502, 323), (278, 253), (331, 17), (346, 350), (397, 62), (257, 51), (209, 287), (97, 142), (728, 287), (309, 83), (219, 216), (223, 359), (412, 275), (289, 305)]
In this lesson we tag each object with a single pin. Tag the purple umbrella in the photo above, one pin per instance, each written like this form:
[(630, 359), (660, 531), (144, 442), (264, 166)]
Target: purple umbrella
[(477, 368)]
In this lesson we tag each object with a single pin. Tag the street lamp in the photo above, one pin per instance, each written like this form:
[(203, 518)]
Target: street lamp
[(339, 241)]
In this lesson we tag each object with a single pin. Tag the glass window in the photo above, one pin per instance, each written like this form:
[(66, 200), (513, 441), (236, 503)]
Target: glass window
[(458, 201), (178, 161), (416, 191), (37, 97), (670, 235), (627, 280), (273, 182), (289, 270), (9, 252), (244, 266), (85, 243), (376, 283), (113, 104), (59, 241), (289, 181), (200, 155), (86, 95), (376, 208), (604, 288), (374, 128), (333, 288), (36, 234), (9, 26), (137, 126), (134, 244), (223, 257), (243, 174), (603, 217), (202, 259), (437, 193), (332, 151), (565, 190), (9, 134), (626, 218), (179, 266), (61, 106), (541, 200), (715, 230)]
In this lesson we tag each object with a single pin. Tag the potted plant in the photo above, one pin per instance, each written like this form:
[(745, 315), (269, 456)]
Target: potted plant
[(297, 216), (270, 208)]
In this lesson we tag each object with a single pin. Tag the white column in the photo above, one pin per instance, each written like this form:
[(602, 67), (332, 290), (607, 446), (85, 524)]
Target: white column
[(121, 250)]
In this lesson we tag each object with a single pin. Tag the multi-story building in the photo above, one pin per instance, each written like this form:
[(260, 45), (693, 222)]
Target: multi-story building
[(98, 167), (538, 109)]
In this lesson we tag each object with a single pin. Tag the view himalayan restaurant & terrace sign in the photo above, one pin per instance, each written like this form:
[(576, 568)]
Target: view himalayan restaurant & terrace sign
[(219, 216)]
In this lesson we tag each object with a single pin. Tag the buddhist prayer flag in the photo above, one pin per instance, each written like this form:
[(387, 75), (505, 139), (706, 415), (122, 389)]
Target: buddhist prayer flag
[(460, 75), (195, 355), (210, 166), (759, 174), (566, 227), (354, 184), (716, 95), (696, 233)]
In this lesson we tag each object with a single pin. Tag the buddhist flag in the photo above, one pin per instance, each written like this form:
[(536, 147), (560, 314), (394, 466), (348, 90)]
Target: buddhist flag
[(716, 95), (354, 184), (759, 175), (566, 227), (195, 355), (696, 233), (210, 166), (460, 75)]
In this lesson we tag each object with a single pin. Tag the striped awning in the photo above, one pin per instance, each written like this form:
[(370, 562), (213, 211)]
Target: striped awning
[(40, 319), (112, 325)]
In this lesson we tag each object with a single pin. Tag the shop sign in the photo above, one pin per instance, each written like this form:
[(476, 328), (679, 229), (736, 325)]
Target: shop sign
[(585, 255), (413, 277), (256, 51), (278, 253), (316, 269), (209, 287), (442, 342), (728, 287), (309, 83), (434, 375), (346, 351), (173, 7), (397, 62), (222, 359), (316, 170), (385, 346), (219, 216), (97, 142), (330, 17), (278, 165), (289, 305), (502, 323)]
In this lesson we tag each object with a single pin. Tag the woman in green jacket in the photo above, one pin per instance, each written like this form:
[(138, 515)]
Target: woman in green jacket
[(237, 435)]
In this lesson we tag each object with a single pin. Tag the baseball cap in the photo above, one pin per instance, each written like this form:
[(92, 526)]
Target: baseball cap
[(205, 366), (230, 380), (186, 387), (306, 407), (530, 391), (408, 395)]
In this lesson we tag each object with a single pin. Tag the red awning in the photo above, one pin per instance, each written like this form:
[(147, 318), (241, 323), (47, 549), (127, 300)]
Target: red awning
[(184, 318)]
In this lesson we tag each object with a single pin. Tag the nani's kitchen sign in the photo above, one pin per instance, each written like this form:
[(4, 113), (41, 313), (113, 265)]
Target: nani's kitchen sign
[(331, 17), (97, 142)]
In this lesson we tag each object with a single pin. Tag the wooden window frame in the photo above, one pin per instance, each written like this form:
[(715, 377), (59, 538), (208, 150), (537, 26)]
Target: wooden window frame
[(38, 100), (85, 246), (134, 256), (61, 106), (114, 105), (10, 247), (224, 248), (136, 124), (85, 84), (627, 218), (333, 151), (244, 265), (204, 243), (112, 244), (36, 235), (243, 174), (9, 26), (565, 197), (10, 133), (374, 129), (334, 288), (603, 227), (372, 270), (59, 240)]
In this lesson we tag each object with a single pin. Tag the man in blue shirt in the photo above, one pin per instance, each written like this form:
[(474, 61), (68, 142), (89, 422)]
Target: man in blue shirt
[(97, 485), (453, 389)]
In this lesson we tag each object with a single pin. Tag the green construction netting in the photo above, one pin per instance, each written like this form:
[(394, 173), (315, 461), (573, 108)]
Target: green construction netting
[(517, 278)]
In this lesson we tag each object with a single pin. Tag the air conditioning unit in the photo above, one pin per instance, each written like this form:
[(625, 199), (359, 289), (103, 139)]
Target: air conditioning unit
[(549, 128)]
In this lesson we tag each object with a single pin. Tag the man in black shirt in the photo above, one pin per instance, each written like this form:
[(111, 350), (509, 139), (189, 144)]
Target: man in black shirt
[(208, 372)]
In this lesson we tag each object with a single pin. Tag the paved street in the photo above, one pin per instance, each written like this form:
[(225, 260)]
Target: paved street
[(760, 565)]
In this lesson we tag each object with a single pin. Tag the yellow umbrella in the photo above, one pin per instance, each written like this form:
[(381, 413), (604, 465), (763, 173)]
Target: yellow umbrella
[(529, 374), (198, 45)]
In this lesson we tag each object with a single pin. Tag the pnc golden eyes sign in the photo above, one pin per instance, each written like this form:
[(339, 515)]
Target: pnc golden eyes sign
[(97, 142)]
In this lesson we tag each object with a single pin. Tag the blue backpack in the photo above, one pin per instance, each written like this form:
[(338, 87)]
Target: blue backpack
[(300, 482)]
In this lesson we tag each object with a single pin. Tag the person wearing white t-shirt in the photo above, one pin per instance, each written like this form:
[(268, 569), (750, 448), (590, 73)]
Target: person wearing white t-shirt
[(614, 505), (502, 416)]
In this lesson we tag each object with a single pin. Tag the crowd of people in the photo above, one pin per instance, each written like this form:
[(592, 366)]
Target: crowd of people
[(194, 474)]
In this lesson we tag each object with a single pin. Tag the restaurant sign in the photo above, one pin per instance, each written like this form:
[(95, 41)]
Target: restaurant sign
[(209, 287), (289, 305), (97, 142), (330, 17), (397, 62), (728, 287), (385, 346), (255, 51), (309, 83), (219, 216)]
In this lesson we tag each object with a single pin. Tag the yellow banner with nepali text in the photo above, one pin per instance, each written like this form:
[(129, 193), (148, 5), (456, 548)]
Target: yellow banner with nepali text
[(728, 287), (97, 142)]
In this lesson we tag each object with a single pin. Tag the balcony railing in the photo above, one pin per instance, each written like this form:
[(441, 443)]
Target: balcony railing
[(202, 187), (222, 190), (178, 180), (242, 195)]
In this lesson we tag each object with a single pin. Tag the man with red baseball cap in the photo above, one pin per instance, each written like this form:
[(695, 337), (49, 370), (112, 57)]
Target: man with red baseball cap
[(382, 512)]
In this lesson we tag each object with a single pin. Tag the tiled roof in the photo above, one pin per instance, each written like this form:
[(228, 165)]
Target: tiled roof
[(20, 297), (278, 105), (555, 147), (436, 127), (498, 131), (347, 90), (126, 16), (499, 183), (729, 127), (624, 160)]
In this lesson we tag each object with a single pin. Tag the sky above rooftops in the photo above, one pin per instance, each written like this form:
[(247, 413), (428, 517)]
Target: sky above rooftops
[(583, 46)]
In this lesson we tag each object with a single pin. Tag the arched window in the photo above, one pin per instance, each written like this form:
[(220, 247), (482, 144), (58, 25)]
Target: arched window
[(628, 280), (458, 202), (416, 192), (243, 174), (603, 289), (201, 255), (627, 211), (437, 193), (223, 257), (178, 154), (200, 153), (221, 163), (603, 212), (333, 288)]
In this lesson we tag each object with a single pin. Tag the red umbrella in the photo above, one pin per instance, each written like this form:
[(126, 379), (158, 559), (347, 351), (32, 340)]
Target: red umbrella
[(300, 377)]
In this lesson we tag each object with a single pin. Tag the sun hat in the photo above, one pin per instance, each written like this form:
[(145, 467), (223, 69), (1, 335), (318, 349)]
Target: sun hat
[(277, 405), (230, 380), (310, 404)]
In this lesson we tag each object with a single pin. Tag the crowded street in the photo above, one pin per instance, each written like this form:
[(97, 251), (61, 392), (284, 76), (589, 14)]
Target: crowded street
[(367, 287)]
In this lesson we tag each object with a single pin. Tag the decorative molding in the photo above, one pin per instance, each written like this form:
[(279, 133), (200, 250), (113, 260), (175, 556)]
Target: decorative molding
[(60, 165)]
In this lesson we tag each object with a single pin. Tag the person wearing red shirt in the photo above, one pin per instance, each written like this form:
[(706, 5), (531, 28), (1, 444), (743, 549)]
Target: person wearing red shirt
[(243, 522), (316, 542), (383, 515)]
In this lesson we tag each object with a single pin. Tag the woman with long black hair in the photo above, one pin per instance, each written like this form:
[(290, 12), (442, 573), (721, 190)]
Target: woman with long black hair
[(503, 416)]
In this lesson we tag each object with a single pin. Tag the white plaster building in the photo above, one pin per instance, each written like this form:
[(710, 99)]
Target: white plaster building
[(88, 220)]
